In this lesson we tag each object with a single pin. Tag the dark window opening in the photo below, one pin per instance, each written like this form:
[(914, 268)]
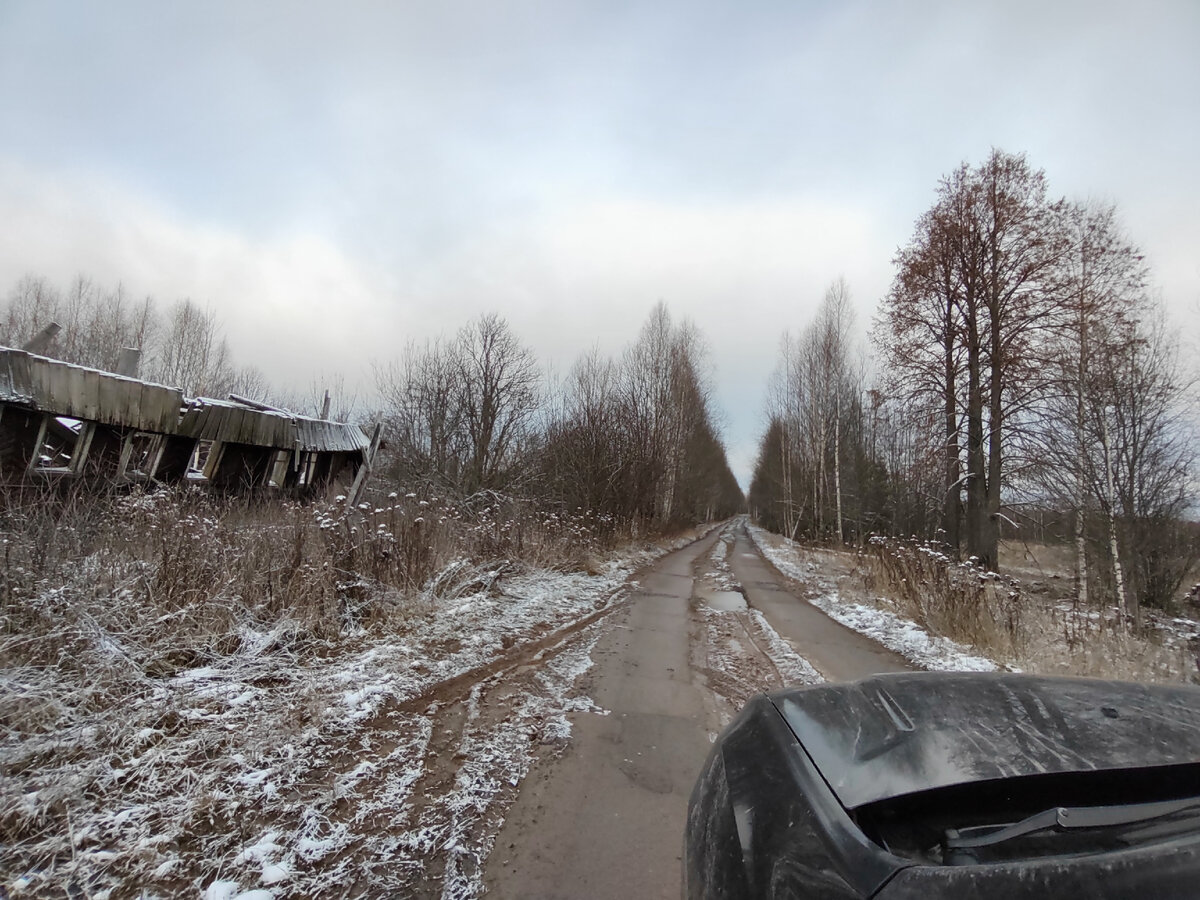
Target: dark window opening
[(197, 465), (61, 442), (144, 452)]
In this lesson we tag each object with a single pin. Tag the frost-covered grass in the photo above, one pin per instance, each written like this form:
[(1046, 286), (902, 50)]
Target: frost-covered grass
[(910, 640), (945, 597), (944, 615), (208, 697)]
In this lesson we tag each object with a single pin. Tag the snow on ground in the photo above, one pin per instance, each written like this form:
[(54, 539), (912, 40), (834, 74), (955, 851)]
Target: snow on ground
[(719, 572), (497, 753), (278, 771), (901, 635)]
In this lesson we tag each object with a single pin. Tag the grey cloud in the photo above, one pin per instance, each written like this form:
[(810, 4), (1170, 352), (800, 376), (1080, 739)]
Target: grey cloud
[(441, 147)]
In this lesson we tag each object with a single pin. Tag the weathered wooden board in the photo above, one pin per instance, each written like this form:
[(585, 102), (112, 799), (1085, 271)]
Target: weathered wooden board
[(15, 384), (314, 434), (89, 407)]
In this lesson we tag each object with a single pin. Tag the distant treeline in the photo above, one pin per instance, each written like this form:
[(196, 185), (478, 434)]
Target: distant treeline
[(181, 346), (630, 439)]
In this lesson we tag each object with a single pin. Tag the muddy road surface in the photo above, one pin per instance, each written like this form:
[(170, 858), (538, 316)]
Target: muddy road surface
[(706, 627)]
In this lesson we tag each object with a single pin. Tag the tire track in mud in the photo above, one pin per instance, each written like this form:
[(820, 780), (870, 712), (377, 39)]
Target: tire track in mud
[(506, 721), (422, 788), (427, 798), (427, 795), (526, 653), (406, 801), (734, 647)]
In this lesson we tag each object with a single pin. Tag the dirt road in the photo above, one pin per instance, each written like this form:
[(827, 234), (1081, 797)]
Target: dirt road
[(605, 818), (835, 651)]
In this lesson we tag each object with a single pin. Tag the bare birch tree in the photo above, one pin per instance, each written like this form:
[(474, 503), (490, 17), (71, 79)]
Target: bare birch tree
[(1101, 288)]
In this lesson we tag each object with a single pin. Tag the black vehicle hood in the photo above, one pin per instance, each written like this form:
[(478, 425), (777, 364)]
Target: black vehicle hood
[(891, 735)]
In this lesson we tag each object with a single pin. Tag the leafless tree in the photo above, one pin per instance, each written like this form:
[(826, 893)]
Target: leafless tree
[(1101, 292), (977, 291), (32, 304), (498, 382), (96, 324), (918, 335), (635, 439), (192, 354), (422, 412), (327, 396), (586, 454), (814, 412), (1148, 457)]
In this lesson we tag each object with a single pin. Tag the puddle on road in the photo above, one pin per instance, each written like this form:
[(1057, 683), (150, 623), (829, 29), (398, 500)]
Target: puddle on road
[(726, 601)]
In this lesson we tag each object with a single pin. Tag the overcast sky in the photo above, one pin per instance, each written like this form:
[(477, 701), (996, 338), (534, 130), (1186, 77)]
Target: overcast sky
[(336, 179)]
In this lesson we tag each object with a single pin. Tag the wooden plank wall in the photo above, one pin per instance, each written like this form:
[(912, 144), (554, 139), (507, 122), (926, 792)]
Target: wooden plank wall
[(120, 418)]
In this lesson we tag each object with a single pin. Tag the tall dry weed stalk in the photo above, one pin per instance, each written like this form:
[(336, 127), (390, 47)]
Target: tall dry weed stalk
[(958, 600), (967, 604)]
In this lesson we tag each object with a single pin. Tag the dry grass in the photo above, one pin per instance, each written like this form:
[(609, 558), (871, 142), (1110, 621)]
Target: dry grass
[(957, 601), (111, 606), (1038, 561), (998, 617)]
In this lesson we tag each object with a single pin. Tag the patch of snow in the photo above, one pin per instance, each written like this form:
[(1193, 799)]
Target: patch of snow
[(793, 667), (254, 778), (898, 634), (273, 873), (263, 849), (221, 890), (910, 640)]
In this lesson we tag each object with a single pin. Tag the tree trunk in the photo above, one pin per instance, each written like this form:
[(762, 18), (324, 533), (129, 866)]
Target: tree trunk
[(1113, 543), (991, 521), (785, 461), (976, 473), (819, 481), (952, 498), (837, 463), (1081, 466), (1081, 585)]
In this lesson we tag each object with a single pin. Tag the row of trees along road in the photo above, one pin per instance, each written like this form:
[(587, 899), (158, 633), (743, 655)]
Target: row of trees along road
[(1025, 373), (632, 438)]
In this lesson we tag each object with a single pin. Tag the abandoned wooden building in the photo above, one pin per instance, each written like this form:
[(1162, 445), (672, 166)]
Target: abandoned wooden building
[(64, 421)]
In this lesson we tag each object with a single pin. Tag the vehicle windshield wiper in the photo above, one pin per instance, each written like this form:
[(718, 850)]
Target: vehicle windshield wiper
[(1061, 818)]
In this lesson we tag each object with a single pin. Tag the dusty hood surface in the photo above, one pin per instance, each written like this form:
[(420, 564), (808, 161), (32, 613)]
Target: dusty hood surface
[(898, 734)]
